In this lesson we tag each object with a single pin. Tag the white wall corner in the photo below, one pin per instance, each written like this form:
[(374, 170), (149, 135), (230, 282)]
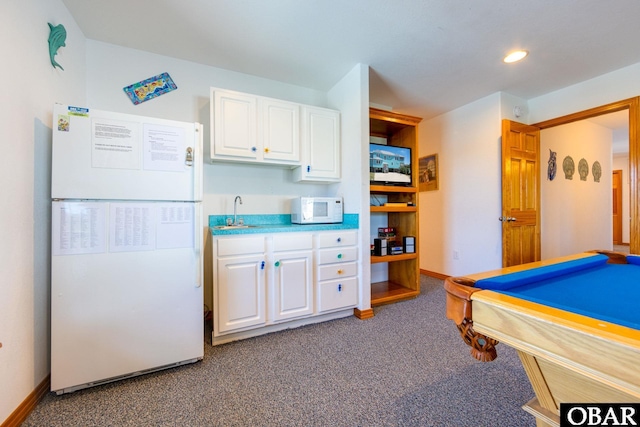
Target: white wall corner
[(514, 108), (351, 96)]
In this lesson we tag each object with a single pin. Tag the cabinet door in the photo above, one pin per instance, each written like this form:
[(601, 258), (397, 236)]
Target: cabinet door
[(293, 296), (239, 293), (320, 145), (280, 131), (235, 123)]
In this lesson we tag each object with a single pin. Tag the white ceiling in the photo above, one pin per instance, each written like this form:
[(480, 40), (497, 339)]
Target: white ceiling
[(426, 56)]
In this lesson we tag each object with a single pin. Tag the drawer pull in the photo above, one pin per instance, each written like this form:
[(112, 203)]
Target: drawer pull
[(277, 264), (308, 168), (339, 256), (340, 271), (254, 149), (339, 239), (339, 287), (262, 265)]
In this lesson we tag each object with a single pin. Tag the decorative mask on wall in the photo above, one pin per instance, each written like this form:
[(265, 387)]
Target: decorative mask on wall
[(596, 171), (583, 169), (552, 168), (569, 167)]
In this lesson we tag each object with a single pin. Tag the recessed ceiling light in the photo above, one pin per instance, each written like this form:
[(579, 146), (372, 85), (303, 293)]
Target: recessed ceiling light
[(515, 56)]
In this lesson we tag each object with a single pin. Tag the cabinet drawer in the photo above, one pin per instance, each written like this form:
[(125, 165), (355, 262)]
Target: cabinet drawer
[(337, 271), (330, 256), (292, 242), (338, 238), (336, 294), (240, 246)]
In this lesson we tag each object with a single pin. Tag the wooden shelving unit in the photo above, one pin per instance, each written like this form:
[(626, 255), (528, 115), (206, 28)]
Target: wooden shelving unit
[(403, 280)]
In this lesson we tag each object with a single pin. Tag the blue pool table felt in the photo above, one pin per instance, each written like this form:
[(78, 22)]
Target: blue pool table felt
[(587, 286)]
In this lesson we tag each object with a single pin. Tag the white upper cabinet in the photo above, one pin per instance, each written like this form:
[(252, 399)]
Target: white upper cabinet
[(320, 146), (234, 119), (255, 129), (249, 128), (280, 130)]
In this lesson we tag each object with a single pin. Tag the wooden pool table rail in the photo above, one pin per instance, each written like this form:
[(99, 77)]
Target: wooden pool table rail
[(459, 299), (567, 357)]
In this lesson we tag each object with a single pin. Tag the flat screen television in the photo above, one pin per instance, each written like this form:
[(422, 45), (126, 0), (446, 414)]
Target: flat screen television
[(389, 165)]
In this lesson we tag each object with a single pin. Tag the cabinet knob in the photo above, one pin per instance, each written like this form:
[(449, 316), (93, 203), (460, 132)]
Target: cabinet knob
[(339, 256), (254, 149), (308, 168), (277, 264), (339, 287), (266, 150), (262, 265), (339, 239), (339, 271)]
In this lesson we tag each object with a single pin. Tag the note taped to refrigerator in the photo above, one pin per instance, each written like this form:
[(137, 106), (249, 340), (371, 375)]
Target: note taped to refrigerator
[(132, 227), (78, 228), (164, 148), (115, 144), (175, 225)]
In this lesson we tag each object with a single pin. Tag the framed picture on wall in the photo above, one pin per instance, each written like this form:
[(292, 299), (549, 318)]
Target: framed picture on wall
[(428, 173)]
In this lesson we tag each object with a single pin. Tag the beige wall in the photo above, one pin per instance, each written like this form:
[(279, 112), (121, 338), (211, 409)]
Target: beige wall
[(30, 87), (459, 227), (453, 219), (575, 214), (621, 162)]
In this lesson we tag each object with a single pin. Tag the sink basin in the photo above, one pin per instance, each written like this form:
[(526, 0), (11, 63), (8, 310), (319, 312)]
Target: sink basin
[(232, 227)]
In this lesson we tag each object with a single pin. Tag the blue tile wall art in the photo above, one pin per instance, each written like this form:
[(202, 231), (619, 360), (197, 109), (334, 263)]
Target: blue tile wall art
[(150, 88)]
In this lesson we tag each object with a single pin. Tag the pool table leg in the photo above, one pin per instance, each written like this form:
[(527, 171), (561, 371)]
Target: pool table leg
[(544, 406)]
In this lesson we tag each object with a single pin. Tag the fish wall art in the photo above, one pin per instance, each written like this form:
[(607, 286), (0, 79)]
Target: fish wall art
[(57, 37)]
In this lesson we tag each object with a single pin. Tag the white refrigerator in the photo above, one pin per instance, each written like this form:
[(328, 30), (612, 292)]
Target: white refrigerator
[(126, 246)]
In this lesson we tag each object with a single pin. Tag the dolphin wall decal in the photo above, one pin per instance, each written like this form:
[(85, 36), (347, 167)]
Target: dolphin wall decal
[(57, 37)]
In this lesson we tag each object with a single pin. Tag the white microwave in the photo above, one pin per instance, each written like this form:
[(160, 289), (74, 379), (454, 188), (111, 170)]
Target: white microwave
[(316, 210)]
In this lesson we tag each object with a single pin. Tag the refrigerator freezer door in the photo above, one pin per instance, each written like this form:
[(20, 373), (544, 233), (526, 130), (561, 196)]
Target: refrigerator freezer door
[(105, 155), (126, 291)]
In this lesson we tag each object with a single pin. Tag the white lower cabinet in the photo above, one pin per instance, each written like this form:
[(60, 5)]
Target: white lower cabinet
[(272, 281), (337, 281), (239, 284), (292, 272)]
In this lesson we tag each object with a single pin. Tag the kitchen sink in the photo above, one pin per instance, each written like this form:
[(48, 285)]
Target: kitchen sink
[(232, 227)]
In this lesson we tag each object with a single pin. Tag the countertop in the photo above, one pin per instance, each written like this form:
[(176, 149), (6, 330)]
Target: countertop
[(276, 223)]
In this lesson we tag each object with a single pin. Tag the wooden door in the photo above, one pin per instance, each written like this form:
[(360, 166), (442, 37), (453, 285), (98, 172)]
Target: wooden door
[(617, 206), (520, 193)]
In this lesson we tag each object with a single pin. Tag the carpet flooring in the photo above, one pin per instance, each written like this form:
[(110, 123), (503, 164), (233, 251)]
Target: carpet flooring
[(406, 366)]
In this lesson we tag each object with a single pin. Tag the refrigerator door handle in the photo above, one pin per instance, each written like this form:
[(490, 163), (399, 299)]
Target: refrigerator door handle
[(189, 157), (198, 165), (199, 244)]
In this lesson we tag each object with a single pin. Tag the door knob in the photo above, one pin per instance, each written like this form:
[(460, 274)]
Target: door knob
[(507, 219)]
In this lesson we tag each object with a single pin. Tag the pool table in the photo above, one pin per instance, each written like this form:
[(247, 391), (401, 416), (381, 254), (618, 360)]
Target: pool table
[(575, 322)]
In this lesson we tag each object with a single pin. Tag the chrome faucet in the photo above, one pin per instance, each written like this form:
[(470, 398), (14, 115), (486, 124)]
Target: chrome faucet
[(235, 209)]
